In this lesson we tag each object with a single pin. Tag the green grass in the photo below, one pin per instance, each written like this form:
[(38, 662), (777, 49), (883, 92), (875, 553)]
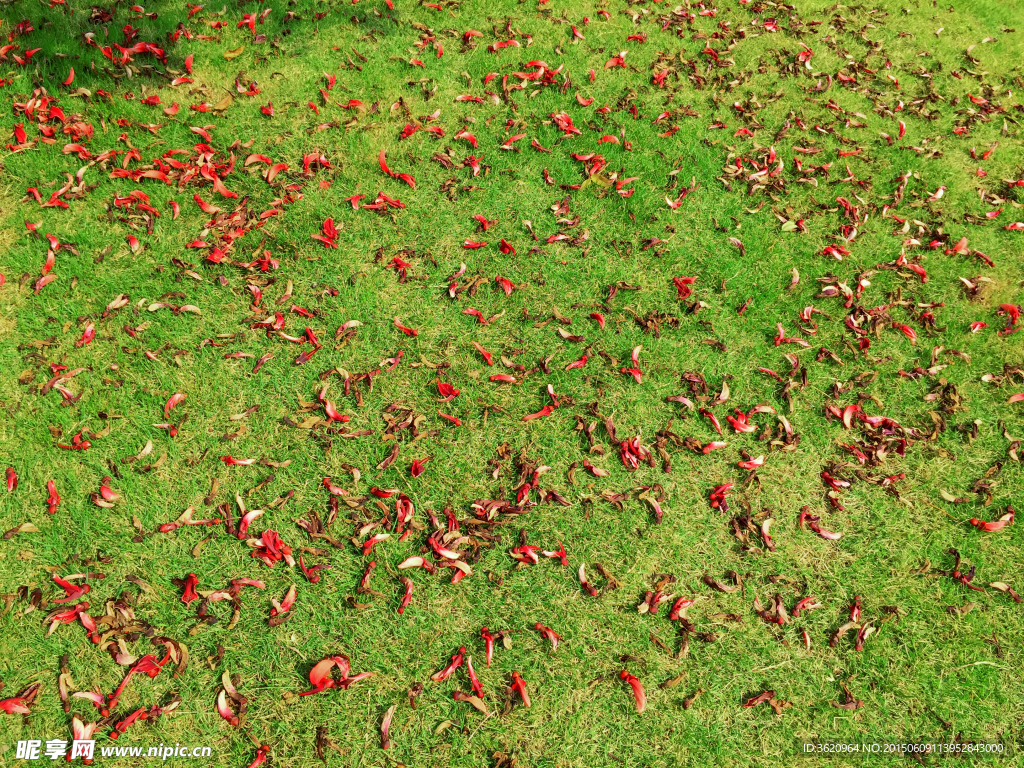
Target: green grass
[(926, 676)]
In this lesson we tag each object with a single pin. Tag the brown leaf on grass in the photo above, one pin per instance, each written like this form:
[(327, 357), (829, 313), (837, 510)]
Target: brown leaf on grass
[(838, 635), (183, 657), (760, 698), (214, 486), (443, 726), (717, 585), (144, 586), (689, 700), (960, 610), (385, 727), (413, 692), (1004, 587), (23, 528), (65, 684), (779, 705), (325, 742), (673, 682), (612, 581), (849, 700), (198, 548), (390, 458), (658, 642), (234, 54), (476, 702)]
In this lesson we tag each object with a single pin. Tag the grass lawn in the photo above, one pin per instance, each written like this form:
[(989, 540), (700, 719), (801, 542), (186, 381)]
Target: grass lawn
[(249, 247)]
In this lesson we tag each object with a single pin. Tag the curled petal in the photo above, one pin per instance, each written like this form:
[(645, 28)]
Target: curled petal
[(223, 709), (385, 727), (638, 690)]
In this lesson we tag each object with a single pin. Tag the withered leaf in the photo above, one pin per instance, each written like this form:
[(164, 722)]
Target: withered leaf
[(475, 701), (673, 682), (688, 702), (390, 458), (23, 528)]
